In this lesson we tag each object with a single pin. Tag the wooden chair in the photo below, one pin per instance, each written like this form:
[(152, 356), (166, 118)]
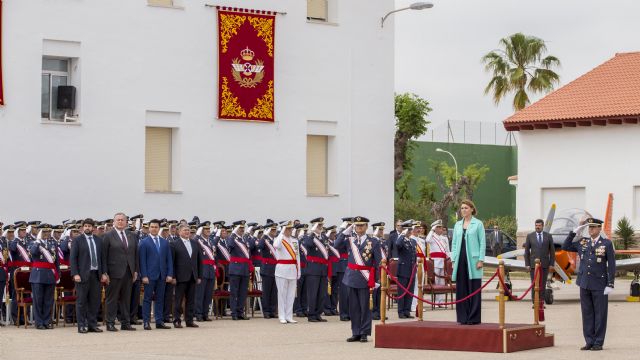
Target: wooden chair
[(436, 289), (22, 287), (255, 290), (66, 285), (393, 287), (221, 292)]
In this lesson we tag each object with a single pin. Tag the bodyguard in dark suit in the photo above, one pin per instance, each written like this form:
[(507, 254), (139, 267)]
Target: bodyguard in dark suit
[(595, 279), (43, 277), (539, 245), (120, 258), (240, 269), (406, 247), (85, 260), (169, 287), (392, 251), (364, 259), (156, 269), (187, 266)]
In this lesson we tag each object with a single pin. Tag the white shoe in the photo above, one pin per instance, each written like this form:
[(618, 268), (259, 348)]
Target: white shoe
[(283, 321), (292, 321)]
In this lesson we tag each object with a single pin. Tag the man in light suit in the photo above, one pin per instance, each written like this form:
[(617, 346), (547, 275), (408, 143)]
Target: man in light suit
[(539, 245), (156, 269), (187, 265), (120, 258), (85, 260)]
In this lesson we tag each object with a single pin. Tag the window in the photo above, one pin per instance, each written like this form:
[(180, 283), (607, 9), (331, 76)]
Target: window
[(317, 156), (168, 3), (55, 72), (318, 10), (157, 166)]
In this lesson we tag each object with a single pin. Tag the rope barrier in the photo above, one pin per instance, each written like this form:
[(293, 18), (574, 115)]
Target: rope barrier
[(510, 295), (413, 274)]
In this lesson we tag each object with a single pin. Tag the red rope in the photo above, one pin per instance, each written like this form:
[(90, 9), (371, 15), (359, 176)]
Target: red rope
[(509, 294), (413, 273), (444, 303)]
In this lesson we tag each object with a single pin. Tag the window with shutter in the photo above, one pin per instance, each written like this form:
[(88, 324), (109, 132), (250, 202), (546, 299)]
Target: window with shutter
[(317, 10), (158, 159), (316, 165)]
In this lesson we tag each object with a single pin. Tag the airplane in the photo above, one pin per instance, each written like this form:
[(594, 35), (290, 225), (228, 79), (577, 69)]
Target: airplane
[(566, 262)]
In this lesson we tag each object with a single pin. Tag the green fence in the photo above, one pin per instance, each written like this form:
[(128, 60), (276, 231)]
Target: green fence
[(494, 196)]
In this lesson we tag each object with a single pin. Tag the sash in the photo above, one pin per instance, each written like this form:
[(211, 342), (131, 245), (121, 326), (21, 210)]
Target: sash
[(247, 261), (289, 249), (60, 254), (223, 250), (335, 251), (320, 246), (364, 271), (207, 250), (47, 255), (271, 249), (243, 248), (23, 252), (304, 249)]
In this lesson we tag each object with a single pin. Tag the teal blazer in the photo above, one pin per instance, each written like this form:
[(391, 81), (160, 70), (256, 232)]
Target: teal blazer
[(475, 246)]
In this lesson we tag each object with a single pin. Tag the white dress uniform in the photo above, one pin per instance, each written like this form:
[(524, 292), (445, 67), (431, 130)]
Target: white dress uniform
[(287, 273), (439, 252), (423, 246)]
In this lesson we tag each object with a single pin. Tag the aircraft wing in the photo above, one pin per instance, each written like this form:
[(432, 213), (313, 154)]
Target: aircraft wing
[(509, 264), (511, 254), (632, 264)]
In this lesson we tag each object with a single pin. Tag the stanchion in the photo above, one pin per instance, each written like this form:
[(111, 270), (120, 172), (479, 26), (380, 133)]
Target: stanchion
[(501, 309), (536, 292), (384, 287), (420, 287)]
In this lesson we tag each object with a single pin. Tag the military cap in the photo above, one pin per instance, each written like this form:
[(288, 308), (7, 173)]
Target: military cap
[(219, 223), (436, 223), (302, 226), (136, 217), (34, 222), (317, 220), (252, 224), (58, 228), (44, 227), (240, 223), (193, 223), (360, 220), (378, 224), (206, 225), (9, 228), (196, 219), (417, 224), (287, 224), (407, 224), (270, 224), (594, 222), (330, 228), (347, 219)]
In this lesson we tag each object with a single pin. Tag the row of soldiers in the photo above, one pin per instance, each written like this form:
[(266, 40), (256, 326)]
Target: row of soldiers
[(319, 288)]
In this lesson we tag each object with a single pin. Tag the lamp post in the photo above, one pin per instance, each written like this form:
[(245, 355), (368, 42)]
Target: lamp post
[(415, 6), (454, 160)]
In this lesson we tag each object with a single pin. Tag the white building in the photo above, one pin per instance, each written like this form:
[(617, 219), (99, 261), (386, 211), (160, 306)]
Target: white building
[(580, 143), (146, 79)]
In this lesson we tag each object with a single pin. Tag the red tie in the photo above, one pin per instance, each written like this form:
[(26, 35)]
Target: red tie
[(124, 240)]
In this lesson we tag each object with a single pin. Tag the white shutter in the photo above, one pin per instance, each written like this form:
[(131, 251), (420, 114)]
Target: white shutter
[(316, 165), (317, 10), (157, 169), (160, 2)]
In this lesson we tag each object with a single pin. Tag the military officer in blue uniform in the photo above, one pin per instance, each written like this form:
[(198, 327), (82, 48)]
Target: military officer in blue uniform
[(204, 290), (44, 275), (406, 247), (19, 254), (8, 233), (331, 299), (343, 295), (32, 230), (317, 246), (240, 268), (268, 269), (300, 304), (378, 234), (359, 278), (595, 279), (223, 258)]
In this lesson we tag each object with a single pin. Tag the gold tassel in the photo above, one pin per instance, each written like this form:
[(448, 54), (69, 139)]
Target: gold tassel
[(329, 287), (370, 299)]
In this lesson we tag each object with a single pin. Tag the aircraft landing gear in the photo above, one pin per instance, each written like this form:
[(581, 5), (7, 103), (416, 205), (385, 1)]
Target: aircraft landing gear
[(548, 294), (635, 284)]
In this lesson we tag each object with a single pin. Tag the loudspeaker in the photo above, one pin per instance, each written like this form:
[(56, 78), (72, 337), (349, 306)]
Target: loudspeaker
[(66, 97)]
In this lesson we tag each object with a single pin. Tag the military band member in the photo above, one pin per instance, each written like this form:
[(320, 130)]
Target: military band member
[(287, 271), (439, 252), (204, 290), (406, 246), (267, 270), (364, 259), (240, 269), (318, 263), (595, 278), (44, 275)]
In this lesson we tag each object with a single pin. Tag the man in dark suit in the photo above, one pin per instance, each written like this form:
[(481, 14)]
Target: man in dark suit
[(156, 269), (120, 258), (539, 245), (392, 251), (85, 260), (187, 266)]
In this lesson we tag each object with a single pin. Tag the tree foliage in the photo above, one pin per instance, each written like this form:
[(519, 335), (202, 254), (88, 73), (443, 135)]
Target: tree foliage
[(411, 122), (625, 231)]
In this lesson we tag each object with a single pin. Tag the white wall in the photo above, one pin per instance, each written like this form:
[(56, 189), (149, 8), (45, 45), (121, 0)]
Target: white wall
[(603, 160), (140, 62)]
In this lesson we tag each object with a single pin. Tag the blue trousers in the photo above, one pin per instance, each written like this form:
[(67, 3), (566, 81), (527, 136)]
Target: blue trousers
[(404, 303), (239, 288), (269, 295), (300, 302), (316, 291), (204, 295), (343, 297), (594, 305), (154, 289), (359, 311), (331, 301), (42, 303)]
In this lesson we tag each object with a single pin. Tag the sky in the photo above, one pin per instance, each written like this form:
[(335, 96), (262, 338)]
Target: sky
[(438, 51)]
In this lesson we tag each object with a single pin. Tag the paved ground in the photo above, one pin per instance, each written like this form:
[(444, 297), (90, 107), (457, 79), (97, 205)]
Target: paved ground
[(267, 339)]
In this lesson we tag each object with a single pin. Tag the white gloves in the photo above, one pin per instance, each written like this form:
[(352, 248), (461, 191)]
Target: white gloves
[(348, 230), (344, 225), (576, 230), (377, 285), (608, 290), (405, 232)]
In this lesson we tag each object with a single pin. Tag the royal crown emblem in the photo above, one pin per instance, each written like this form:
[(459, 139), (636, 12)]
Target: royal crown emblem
[(247, 74)]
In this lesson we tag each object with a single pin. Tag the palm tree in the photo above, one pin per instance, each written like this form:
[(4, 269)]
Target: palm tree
[(519, 66)]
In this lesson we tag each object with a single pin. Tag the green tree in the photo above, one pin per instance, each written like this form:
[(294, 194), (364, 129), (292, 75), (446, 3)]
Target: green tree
[(624, 232), (411, 121), (520, 67)]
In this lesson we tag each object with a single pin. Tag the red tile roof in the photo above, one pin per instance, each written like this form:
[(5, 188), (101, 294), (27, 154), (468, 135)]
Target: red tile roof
[(608, 94)]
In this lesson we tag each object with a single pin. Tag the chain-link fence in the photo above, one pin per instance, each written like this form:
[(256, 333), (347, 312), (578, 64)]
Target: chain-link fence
[(470, 132)]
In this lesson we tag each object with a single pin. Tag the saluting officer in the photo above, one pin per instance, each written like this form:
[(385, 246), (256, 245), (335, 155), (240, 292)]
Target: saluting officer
[(406, 246), (43, 277), (19, 254), (240, 269), (317, 246), (300, 304), (378, 234), (204, 290), (268, 269), (595, 279)]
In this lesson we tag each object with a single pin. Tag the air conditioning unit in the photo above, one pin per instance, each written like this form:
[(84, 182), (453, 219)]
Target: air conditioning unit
[(318, 10)]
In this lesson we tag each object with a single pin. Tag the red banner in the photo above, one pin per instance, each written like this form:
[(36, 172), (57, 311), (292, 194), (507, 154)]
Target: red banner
[(245, 64), (1, 85)]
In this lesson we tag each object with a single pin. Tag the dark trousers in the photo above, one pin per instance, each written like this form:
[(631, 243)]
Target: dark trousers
[(2, 308), (404, 303), (300, 305), (269, 295), (42, 303), (376, 302), (168, 301), (88, 301), (359, 311), (204, 294), (119, 299), (468, 311), (594, 305), (154, 289), (184, 290), (239, 288), (134, 309), (543, 286), (331, 300), (316, 291), (14, 303), (343, 297)]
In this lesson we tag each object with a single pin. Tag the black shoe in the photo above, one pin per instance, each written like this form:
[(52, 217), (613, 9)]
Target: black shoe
[(207, 319), (596, 348), (410, 317), (345, 318), (192, 325), (586, 347), (83, 330), (313, 320), (162, 326), (363, 338), (127, 328), (177, 325), (327, 313), (111, 327), (147, 326), (354, 338), (403, 316), (335, 312), (49, 326), (299, 314), (376, 317), (244, 317), (136, 322), (321, 319), (234, 318), (95, 330), (41, 327)]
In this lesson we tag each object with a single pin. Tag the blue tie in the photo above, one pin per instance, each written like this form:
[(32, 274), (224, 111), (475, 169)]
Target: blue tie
[(155, 240), (539, 239)]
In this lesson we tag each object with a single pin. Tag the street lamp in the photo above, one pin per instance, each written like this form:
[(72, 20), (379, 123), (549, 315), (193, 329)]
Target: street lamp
[(415, 6), (454, 160)]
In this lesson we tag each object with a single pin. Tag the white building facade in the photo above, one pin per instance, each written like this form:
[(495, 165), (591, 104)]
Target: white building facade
[(147, 74)]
